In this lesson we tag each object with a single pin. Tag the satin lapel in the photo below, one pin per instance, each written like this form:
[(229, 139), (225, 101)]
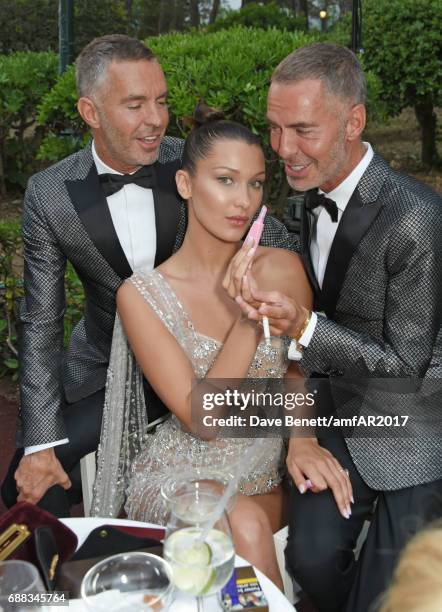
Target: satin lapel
[(167, 209), (355, 222), (305, 252), (91, 206)]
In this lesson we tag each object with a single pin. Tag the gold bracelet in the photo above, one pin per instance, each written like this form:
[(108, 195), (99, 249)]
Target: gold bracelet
[(304, 326)]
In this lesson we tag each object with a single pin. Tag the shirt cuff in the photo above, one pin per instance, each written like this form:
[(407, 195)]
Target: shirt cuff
[(304, 340), (294, 354), (38, 447), (296, 348)]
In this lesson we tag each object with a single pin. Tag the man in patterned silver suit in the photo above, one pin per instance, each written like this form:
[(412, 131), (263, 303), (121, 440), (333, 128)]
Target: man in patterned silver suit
[(108, 209), (372, 247)]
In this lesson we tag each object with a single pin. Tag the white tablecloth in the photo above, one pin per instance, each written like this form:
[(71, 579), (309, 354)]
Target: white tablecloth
[(83, 526)]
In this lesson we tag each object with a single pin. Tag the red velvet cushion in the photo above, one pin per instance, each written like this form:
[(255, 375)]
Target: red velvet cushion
[(33, 517)]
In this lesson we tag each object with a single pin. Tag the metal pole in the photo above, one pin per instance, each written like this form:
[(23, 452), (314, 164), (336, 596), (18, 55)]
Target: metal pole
[(65, 33), (356, 26)]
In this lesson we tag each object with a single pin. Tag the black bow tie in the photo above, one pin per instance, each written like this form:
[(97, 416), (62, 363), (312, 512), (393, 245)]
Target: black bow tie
[(111, 183), (313, 199)]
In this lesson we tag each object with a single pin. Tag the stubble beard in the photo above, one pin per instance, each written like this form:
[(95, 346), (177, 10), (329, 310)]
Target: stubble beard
[(334, 166), (337, 164), (120, 150)]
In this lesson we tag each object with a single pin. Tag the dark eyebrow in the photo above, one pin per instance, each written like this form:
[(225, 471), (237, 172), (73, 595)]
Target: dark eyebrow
[(233, 170), (302, 124), (132, 98), (225, 168), (136, 97)]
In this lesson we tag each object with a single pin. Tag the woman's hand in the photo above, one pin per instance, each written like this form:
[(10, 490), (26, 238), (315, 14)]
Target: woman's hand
[(286, 316), (313, 467), (238, 268)]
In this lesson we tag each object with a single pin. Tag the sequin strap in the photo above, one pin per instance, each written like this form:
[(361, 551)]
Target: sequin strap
[(160, 296)]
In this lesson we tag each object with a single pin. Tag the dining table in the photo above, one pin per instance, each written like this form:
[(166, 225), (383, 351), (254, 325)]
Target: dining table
[(277, 601)]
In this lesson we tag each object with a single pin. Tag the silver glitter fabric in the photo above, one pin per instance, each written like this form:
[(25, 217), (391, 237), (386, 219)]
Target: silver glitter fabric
[(387, 320), (172, 450)]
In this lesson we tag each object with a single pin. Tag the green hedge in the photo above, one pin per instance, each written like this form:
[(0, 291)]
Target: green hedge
[(65, 131), (25, 77), (11, 290)]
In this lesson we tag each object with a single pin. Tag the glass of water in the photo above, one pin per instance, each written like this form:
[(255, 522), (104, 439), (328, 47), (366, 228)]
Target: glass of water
[(20, 584), (200, 567)]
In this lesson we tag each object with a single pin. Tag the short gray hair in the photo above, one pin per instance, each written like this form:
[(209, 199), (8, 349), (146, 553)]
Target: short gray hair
[(92, 63), (336, 66)]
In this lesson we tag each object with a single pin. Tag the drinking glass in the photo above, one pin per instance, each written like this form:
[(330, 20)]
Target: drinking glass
[(19, 578), (126, 582), (199, 567)]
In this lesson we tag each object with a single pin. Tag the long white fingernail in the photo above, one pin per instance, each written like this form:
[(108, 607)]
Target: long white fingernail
[(301, 489)]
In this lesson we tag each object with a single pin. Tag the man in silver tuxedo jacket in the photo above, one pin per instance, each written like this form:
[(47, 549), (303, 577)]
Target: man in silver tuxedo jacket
[(371, 244), (108, 209)]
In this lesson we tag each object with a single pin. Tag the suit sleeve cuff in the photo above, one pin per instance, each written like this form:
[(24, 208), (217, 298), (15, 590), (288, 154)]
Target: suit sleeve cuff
[(38, 447)]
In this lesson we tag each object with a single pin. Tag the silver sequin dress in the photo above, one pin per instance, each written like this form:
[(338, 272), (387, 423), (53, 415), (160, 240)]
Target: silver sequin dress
[(170, 450)]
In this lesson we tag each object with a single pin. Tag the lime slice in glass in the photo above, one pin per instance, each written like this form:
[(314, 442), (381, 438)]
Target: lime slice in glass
[(193, 581), (193, 574)]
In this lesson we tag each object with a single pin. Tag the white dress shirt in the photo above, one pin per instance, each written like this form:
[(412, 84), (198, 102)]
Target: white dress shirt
[(322, 239), (133, 216)]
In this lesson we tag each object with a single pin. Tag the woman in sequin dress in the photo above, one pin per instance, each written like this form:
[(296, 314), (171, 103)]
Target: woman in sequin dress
[(182, 323)]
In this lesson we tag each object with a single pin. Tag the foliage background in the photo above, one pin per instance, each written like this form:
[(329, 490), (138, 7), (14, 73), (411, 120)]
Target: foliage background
[(25, 78), (402, 41)]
